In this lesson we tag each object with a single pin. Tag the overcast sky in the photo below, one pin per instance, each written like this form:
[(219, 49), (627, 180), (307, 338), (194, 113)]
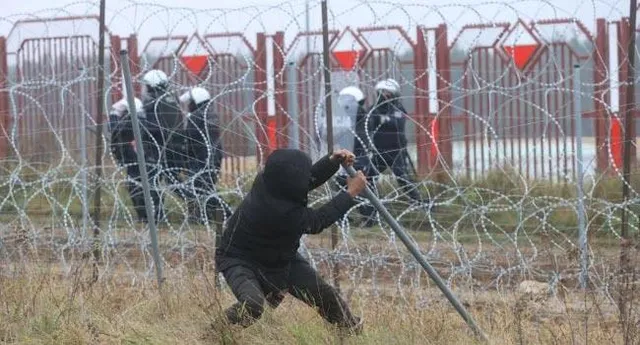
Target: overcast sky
[(183, 17)]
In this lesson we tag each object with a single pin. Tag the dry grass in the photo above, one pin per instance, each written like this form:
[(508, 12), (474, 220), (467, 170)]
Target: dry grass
[(41, 305)]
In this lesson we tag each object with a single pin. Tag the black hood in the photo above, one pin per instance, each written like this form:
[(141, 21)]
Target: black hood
[(287, 174)]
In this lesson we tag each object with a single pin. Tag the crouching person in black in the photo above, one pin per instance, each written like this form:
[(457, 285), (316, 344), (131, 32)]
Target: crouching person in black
[(258, 254)]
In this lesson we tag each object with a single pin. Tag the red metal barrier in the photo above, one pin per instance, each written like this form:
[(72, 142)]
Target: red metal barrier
[(423, 116), (519, 106), (264, 147), (116, 46), (601, 96), (309, 81), (443, 122), (54, 95), (228, 76), (522, 115), (617, 125), (282, 116)]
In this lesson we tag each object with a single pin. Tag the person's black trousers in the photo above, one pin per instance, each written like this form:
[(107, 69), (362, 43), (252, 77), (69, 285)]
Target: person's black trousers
[(204, 186), (253, 287), (137, 194)]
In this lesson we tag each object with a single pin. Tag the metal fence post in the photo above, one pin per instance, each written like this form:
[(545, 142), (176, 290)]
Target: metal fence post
[(582, 227), (83, 159), (292, 106), (415, 251), (124, 61)]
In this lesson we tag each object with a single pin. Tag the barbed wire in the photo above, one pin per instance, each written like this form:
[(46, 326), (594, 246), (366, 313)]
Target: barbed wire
[(485, 227)]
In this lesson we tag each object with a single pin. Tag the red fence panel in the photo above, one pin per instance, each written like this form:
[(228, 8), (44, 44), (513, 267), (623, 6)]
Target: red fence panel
[(229, 75), (601, 96), (54, 84), (521, 116), (306, 50)]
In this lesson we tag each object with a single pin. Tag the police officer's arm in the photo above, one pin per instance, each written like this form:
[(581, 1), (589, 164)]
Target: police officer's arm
[(213, 127), (313, 221), (121, 127), (400, 123)]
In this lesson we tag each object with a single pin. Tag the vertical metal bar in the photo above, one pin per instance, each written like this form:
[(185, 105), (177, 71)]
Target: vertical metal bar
[(415, 251), (97, 199), (569, 120), (83, 161), (512, 118), (5, 113), (329, 116), (499, 121), (467, 125), (481, 113), (582, 228), (520, 123), (292, 106), (261, 100), (487, 129), (542, 132), (527, 126), (629, 140), (124, 61), (443, 62), (601, 63), (553, 112), (307, 15), (423, 142), (551, 128)]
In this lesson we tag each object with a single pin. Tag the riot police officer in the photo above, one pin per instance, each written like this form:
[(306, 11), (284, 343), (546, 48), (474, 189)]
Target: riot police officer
[(123, 149), (388, 118), (165, 122), (203, 149)]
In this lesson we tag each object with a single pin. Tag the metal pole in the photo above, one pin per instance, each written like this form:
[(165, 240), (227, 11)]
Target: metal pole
[(308, 24), (327, 76), (292, 97), (328, 107), (83, 161), (582, 224), (415, 251), (124, 61), (99, 119), (629, 140)]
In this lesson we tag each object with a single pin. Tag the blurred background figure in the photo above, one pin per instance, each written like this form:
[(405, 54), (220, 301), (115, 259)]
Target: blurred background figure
[(352, 101), (204, 153), (389, 151), (166, 131), (123, 149)]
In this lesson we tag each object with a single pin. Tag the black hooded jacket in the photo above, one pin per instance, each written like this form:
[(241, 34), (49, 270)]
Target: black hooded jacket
[(121, 129), (266, 228), (165, 121)]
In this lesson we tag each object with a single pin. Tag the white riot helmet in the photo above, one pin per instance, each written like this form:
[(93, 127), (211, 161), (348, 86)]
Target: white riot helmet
[(353, 91), (389, 85), (197, 94), (122, 106), (155, 78)]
